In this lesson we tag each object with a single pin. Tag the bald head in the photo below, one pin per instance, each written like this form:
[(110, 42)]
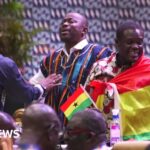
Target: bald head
[(41, 126), (39, 115)]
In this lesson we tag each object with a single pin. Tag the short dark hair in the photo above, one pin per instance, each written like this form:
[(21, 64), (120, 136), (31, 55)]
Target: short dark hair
[(93, 120), (129, 24)]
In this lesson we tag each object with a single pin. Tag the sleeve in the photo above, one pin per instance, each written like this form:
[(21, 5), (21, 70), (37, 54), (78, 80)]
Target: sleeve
[(43, 71), (16, 86), (100, 52), (36, 78), (45, 65), (104, 52), (91, 74)]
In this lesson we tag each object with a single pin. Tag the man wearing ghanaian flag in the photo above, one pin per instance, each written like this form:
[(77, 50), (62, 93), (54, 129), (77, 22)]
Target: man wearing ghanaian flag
[(123, 81)]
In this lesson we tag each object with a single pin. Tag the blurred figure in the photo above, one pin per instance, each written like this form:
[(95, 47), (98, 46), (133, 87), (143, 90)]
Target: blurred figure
[(6, 124), (41, 127), (15, 92), (18, 116), (132, 145), (148, 147), (86, 130), (73, 61)]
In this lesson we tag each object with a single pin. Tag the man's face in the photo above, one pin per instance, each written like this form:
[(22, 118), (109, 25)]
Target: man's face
[(71, 28), (130, 45)]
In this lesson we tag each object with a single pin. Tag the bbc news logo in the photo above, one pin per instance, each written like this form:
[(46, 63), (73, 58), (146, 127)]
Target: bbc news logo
[(10, 133)]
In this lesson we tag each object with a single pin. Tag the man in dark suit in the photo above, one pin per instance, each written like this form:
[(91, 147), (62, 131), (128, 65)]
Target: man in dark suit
[(15, 92)]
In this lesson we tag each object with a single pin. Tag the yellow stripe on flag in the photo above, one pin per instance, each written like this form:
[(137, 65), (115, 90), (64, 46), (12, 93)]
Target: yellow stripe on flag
[(136, 99), (81, 98), (100, 102), (135, 111)]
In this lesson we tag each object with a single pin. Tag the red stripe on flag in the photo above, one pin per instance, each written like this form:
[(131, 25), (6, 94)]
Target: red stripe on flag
[(71, 99)]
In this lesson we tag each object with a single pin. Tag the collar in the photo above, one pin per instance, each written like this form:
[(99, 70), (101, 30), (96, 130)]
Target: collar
[(77, 47), (80, 45), (65, 52)]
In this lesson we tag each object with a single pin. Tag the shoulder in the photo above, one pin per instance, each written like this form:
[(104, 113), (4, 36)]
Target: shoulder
[(98, 47), (6, 62), (106, 60), (52, 54), (100, 51)]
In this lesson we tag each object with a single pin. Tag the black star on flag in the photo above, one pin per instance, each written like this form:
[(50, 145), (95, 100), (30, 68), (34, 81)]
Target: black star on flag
[(75, 104)]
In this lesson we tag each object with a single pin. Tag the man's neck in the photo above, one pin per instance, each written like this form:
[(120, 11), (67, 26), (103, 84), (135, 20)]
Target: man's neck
[(69, 45)]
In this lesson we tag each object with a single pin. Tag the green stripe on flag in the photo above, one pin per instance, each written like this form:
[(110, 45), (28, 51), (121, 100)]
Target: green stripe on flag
[(87, 102), (139, 137)]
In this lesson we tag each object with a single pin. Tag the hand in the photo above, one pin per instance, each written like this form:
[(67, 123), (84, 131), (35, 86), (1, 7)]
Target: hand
[(51, 81)]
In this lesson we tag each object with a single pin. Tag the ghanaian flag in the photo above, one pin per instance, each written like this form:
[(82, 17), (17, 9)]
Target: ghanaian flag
[(133, 86), (78, 101)]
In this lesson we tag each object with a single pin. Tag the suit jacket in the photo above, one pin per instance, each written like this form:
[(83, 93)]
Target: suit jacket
[(18, 92)]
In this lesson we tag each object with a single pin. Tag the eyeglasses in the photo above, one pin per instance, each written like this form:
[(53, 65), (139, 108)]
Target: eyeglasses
[(76, 131)]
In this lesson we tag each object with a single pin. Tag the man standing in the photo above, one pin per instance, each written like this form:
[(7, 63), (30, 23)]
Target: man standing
[(73, 62)]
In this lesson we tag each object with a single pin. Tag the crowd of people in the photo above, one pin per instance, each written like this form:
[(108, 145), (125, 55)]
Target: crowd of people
[(114, 79)]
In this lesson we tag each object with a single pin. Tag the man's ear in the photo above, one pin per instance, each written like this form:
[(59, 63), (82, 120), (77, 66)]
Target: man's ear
[(84, 31)]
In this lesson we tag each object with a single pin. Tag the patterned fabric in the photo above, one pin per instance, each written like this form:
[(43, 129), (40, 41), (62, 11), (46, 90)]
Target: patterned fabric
[(106, 69), (74, 71)]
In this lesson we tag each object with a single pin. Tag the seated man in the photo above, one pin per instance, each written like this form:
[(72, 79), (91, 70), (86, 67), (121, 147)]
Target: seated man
[(40, 127), (123, 81), (86, 130)]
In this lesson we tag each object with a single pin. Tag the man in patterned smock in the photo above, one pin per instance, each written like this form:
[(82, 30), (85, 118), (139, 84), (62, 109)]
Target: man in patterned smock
[(73, 62)]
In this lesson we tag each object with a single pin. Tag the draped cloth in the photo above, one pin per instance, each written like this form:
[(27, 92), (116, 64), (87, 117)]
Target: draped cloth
[(132, 97)]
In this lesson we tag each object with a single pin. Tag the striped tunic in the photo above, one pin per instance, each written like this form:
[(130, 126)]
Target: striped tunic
[(74, 71)]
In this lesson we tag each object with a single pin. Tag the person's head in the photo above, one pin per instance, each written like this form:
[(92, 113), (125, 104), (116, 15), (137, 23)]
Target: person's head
[(73, 28), (86, 130), (41, 126), (6, 122), (129, 42)]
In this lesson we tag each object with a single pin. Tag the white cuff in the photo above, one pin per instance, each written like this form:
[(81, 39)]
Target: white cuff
[(41, 91), (36, 78)]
